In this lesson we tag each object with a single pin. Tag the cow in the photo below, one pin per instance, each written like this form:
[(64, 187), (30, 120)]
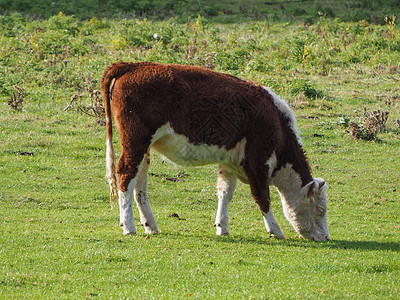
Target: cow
[(196, 116)]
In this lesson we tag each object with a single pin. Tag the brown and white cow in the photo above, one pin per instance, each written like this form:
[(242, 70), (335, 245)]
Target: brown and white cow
[(195, 116)]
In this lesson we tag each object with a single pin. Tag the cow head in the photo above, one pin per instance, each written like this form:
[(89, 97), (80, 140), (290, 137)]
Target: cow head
[(306, 210)]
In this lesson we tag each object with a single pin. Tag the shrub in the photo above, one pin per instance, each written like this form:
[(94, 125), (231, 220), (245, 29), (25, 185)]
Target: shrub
[(305, 87), (67, 24), (373, 123), (10, 25)]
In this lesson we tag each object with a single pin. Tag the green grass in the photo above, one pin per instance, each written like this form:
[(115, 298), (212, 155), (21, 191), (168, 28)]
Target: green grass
[(60, 239)]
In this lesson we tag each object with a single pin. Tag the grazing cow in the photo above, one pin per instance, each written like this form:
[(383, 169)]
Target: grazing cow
[(195, 116)]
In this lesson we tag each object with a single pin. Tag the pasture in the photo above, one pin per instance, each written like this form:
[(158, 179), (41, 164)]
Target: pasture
[(60, 239)]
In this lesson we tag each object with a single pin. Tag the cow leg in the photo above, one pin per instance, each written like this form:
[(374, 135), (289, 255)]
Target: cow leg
[(126, 220), (142, 201), (226, 184), (272, 225), (258, 179), (129, 166)]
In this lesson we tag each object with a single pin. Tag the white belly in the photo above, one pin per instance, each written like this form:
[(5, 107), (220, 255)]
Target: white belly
[(177, 148)]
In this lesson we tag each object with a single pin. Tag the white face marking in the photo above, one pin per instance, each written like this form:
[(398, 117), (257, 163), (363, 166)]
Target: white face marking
[(305, 209), (177, 148), (285, 109)]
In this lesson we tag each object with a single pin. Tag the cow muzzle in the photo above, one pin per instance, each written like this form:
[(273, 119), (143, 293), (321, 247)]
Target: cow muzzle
[(319, 238)]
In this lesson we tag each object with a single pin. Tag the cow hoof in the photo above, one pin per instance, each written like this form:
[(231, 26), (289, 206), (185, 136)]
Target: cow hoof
[(279, 236), (129, 232), (149, 231), (128, 229), (222, 232)]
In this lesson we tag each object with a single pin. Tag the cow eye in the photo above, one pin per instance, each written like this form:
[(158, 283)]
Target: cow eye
[(320, 210)]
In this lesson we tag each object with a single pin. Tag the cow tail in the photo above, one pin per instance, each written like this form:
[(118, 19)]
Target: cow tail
[(107, 85), (110, 76)]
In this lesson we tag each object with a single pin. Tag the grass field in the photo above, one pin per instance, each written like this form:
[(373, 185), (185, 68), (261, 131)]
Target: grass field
[(60, 239)]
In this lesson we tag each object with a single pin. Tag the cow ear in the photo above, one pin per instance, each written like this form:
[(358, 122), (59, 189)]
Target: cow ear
[(321, 183), (314, 186)]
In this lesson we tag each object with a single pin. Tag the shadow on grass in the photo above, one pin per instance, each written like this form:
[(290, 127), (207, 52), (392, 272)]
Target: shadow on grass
[(364, 245), (289, 242), (333, 244)]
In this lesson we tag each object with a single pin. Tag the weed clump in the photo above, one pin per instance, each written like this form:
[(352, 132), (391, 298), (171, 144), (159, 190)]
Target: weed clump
[(94, 110), (373, 123), (17, 98)]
